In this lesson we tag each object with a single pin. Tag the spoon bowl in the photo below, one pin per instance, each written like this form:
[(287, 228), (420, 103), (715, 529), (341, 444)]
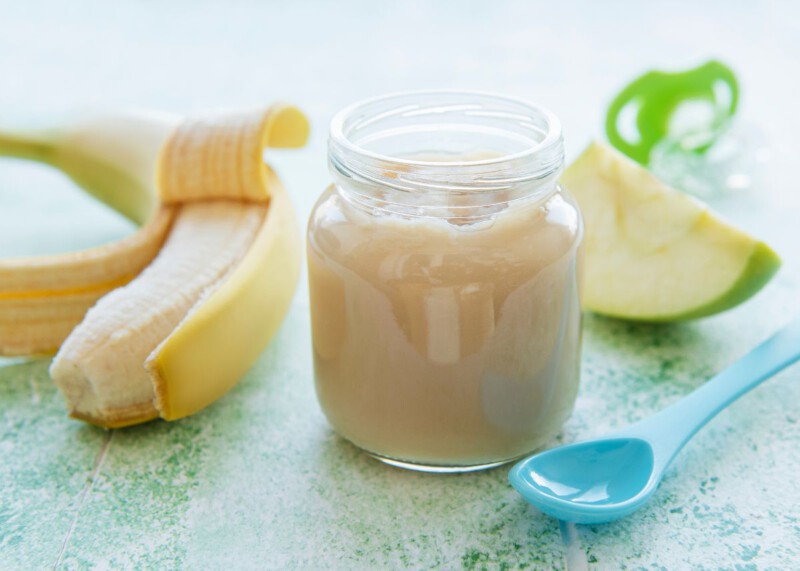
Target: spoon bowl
[(608, 478), (589, 482)]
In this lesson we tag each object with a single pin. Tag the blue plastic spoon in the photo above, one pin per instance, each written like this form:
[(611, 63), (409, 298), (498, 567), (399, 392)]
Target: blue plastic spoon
[(608, 478)]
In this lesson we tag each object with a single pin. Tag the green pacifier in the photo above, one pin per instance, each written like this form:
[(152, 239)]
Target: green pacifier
[(645, 112)]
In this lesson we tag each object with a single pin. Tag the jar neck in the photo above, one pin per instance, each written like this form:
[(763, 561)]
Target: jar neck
[(445, 153)]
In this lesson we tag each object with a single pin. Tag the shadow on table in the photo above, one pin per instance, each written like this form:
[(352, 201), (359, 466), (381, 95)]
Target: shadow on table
[(24, 381), (620, 334), (685, 352)]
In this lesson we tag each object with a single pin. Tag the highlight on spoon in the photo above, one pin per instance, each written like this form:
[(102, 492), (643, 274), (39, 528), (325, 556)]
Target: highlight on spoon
[(589, 482)]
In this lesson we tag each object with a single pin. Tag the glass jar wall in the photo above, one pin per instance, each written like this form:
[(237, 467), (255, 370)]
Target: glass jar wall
[(443, 271)]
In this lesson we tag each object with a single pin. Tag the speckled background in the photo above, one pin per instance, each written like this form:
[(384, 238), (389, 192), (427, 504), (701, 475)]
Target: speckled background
[(259, 481)]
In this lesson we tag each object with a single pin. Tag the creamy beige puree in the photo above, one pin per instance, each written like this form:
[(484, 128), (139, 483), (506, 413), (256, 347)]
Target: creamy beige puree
[(440, 342), (443, 270)]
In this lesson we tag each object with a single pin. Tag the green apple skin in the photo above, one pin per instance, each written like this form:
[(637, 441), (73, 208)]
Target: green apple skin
[(654, 254), (763, 264)]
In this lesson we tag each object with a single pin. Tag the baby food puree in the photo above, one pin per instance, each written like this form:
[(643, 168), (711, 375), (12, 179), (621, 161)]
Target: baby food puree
[(443, 272)]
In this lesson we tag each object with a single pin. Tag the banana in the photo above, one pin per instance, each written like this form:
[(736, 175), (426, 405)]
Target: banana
[(222, 337), (100, 367), (182, 332), (43, 298), (114, 158)]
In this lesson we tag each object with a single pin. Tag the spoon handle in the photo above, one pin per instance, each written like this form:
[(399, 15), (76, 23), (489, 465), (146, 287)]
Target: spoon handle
[(670, 429)]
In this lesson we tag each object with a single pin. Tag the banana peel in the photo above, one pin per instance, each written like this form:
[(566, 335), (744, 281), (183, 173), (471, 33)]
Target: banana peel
[(251, 302), (43, 298)]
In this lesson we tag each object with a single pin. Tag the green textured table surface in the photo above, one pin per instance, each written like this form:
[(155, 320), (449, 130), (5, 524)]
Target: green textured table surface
[(259, 481)]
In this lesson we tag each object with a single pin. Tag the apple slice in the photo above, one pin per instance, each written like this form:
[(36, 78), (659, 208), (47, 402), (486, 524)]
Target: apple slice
[(654, 253)]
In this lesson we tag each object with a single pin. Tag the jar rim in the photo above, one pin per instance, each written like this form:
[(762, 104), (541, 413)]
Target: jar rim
[(552, 137), (379, 149)]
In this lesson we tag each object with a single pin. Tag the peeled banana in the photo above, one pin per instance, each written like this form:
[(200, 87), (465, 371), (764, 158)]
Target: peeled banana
[(225, 250)]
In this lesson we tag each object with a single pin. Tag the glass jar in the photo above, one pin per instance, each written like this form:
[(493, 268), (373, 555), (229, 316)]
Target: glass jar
[(443, 273)]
